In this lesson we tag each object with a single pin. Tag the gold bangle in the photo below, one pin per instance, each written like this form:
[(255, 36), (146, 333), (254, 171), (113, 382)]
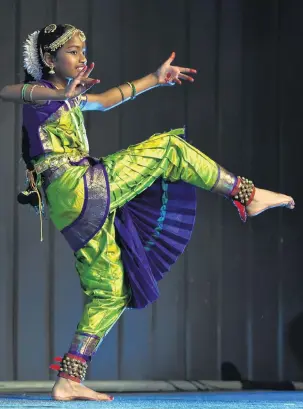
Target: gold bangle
[(133, 88), (121, 92), (31, 93)]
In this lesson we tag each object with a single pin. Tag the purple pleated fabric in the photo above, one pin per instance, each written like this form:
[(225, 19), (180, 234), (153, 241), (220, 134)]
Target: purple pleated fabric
[(153, 231)]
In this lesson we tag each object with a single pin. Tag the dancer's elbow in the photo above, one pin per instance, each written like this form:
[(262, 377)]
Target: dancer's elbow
[(10, 93), (3, 93)]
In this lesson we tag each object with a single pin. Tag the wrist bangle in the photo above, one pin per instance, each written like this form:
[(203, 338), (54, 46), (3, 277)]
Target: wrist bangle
[(24, 88), (121, 92), (133, 88), (61, 95), (31, 93)]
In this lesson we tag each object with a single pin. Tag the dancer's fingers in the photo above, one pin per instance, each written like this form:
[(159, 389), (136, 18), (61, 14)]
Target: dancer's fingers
[(89, 70), (77, 80), (191, 70), (89, 84), (177, 81), (171, 58), (86, 82), (186, 77), (81, 73)]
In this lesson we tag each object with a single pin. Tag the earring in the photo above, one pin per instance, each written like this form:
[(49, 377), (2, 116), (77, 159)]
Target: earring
[(51, 71)]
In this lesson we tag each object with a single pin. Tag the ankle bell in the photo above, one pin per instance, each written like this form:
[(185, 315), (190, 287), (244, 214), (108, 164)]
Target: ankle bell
[(242, 195), (244, 192), (71, 367)]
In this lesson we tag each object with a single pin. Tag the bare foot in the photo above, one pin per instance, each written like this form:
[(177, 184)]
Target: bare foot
[(65, 389), (265, 199)]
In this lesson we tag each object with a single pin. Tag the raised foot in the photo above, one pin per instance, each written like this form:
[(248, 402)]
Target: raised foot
[(67, 390), (265, 199)]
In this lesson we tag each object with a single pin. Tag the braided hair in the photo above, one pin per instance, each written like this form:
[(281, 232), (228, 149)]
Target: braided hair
[(30, 196)]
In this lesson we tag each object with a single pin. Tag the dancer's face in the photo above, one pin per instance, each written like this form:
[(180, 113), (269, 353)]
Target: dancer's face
[(70, 58)]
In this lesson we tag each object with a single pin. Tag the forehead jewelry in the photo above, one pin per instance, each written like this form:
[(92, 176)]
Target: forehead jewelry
[(69, 33)]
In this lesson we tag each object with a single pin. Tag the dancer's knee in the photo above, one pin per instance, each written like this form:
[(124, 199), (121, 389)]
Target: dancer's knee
[(108, 292), (175, 140)]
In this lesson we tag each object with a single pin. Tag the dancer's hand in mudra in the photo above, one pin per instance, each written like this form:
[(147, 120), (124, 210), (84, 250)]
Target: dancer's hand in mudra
[(81, 83), (170, 75)]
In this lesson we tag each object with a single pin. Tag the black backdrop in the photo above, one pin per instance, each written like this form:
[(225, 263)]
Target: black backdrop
[(237, 291)]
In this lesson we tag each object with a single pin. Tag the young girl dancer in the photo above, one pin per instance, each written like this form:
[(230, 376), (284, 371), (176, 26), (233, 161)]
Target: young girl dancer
[(127, 216)]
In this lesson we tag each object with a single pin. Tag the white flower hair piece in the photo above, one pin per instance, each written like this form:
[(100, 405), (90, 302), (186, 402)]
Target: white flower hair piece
[(31, 56)]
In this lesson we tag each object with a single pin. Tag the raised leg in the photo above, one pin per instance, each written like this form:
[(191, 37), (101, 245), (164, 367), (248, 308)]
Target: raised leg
[(169, 156)]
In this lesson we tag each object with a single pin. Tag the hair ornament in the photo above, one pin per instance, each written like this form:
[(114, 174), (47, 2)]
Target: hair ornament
[(31, 56), (50, 29)]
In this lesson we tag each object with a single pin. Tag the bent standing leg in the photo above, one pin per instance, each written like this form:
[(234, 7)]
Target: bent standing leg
[(102, 279)]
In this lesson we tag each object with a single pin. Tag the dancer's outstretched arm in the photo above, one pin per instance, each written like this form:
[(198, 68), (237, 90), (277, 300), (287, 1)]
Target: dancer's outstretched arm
[(166, 74)]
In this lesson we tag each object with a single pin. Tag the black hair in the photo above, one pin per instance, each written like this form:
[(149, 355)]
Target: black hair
[(44, 40)]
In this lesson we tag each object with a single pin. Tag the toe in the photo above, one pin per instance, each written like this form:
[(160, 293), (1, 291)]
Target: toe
[(104, 397)]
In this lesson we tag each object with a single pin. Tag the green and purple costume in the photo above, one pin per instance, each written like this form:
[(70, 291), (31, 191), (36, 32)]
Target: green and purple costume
[(127, 216)]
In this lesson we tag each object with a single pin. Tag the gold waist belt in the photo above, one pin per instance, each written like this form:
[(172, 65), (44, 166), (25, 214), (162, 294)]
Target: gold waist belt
[(54, 162)]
